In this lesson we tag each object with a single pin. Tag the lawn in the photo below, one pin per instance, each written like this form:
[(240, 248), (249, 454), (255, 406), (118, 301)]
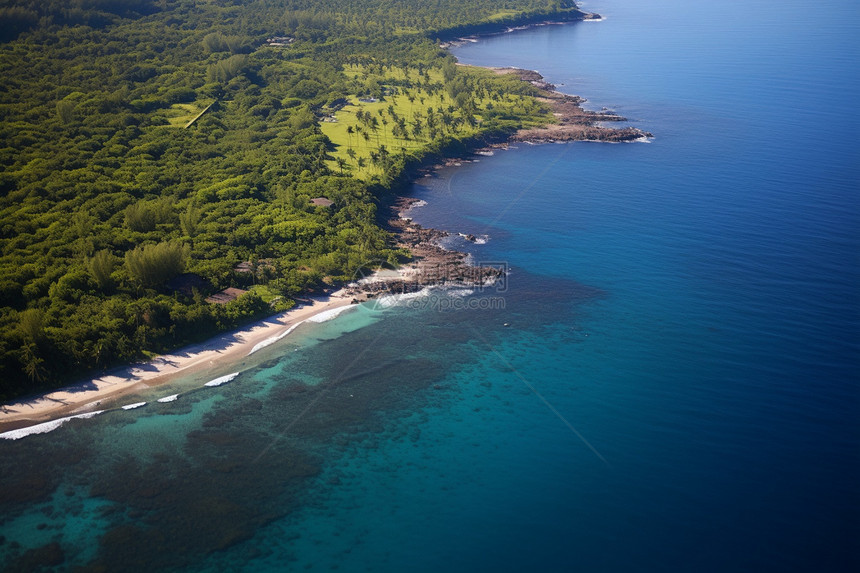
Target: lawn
[(410, 109), (179, 114)]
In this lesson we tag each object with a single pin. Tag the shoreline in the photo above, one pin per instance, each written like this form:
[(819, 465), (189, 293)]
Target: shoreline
[(430, 265), (492, 29), (222, 352), (574, 123)]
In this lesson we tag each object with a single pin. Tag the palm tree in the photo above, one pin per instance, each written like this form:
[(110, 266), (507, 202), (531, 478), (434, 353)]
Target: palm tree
[(374, 125), (447, 121), (32, 362)]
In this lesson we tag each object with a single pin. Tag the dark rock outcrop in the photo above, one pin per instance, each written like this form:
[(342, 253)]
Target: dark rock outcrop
[(574, 122)]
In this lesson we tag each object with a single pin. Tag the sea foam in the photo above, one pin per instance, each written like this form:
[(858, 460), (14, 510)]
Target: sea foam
[(327, 315), (45, 427), (222, 379), (273, 339), (390, 300), (171, 398), (459, 292), (134, 406)]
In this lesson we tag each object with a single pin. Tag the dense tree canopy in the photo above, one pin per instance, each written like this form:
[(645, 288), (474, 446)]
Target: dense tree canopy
[(140, 139)]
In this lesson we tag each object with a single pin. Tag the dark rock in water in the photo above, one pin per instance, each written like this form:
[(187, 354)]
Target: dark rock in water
[(108, 510), (436, 266), (50, 555), (573, 122), (27, 487)]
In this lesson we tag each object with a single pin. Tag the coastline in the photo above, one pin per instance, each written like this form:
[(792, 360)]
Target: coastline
[(676, 350), (465, 34), (220, 353), (431, 265), (573, 122)]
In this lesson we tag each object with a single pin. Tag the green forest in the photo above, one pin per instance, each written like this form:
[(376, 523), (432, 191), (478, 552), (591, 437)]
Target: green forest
[(154, 152)]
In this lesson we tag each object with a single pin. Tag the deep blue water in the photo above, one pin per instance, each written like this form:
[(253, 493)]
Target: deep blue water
[(676, 388)]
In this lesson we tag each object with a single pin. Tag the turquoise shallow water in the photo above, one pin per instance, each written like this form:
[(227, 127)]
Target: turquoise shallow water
[(676, 389)]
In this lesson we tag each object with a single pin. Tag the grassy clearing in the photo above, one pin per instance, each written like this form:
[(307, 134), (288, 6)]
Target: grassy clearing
[(268, 294), (503, 14), (413, 108), (359, 146), (179, 114)]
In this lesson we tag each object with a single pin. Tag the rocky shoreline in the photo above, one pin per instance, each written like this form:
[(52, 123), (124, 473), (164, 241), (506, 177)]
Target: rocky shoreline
[(461, 37), (433, 265), (574, 122)]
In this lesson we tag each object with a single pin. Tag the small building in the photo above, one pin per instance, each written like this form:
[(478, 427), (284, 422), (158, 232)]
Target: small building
[(226, 295), (279, 41), (322, 202)]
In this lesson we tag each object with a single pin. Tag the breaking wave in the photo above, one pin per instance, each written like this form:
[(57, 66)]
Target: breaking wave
[(327, 315), (222, 379), (45, 427)]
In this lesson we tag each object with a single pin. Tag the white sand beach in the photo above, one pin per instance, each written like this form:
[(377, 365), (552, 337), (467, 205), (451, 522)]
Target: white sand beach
[(219, 352)]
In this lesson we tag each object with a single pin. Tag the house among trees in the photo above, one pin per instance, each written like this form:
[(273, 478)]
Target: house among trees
[(226, 295), (279, 41)]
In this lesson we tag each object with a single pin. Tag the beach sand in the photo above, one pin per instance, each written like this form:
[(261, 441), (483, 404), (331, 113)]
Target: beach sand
[(218, 353)]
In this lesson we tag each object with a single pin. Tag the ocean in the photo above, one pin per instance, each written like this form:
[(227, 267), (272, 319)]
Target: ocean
[(666, 381)]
